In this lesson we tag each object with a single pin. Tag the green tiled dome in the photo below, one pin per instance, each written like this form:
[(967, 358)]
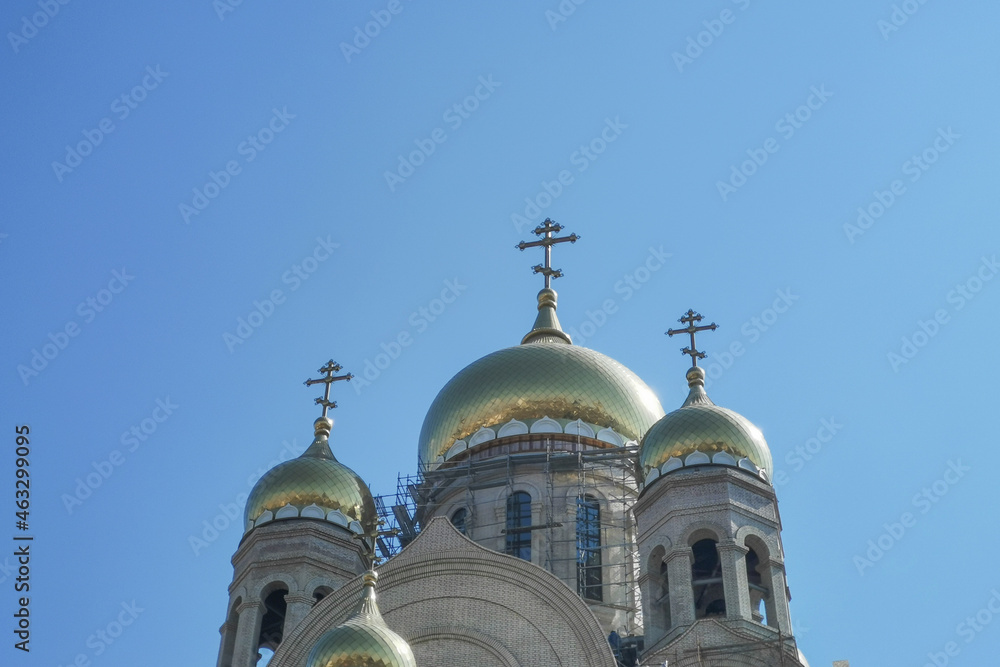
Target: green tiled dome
[(701, 426)]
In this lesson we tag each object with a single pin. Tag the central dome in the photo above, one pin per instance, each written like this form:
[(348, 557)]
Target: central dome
[(543, 377)]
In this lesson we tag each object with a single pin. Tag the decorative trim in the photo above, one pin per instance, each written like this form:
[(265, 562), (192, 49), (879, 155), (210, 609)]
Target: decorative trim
[(696, 459), (457, 447), (313, 511), (546, 425), (579, 428), (609, 436), (724, 458), (482, 435), (513, 427)]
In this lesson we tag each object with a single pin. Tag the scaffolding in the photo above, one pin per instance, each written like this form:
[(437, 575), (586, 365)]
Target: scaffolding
[(605, 473)]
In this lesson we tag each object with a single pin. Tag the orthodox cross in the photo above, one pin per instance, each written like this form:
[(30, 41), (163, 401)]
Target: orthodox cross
[(330, 368), (374, 540), (690, 317), (545, 230)]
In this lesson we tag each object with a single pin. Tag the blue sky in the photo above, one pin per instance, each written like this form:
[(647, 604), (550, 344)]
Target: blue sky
[(173, 169)]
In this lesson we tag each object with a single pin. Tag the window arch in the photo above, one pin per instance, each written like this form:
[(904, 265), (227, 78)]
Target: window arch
[(459, 519), (272, 626), (589, 575), (518, 532), (755, 582), (706, 580)]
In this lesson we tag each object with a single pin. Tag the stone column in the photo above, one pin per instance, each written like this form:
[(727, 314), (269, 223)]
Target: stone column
[(734, 579), (679, 579), (297, 606), (228, 631), (778, 614), (250, 613)]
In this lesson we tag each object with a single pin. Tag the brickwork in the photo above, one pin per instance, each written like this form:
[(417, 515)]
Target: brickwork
[(740, 513), (297, 555), (458, 603)]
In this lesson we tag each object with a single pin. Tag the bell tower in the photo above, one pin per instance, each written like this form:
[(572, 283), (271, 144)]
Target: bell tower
[(712, 572), (307, 527)]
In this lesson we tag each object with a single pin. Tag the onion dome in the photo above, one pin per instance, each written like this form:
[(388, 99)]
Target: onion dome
[(314, 485), (700, 433), (545, 384), (364, 640)]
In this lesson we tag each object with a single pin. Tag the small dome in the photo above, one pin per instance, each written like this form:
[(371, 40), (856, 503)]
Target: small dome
[(314, 478), (364, 640), (545, 376), (702, 426)]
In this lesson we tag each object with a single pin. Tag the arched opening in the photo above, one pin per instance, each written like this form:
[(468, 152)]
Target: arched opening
[(589, 576), (755, 582), (320, 593), (229, 639), (272, 626), (761, 583), (664, 597), (706, 580), (518, 531), (459, 519)]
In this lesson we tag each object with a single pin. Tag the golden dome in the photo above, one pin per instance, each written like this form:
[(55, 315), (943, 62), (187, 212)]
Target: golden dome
[(545, 376), (364, 640), (314, 478), (702, 426)]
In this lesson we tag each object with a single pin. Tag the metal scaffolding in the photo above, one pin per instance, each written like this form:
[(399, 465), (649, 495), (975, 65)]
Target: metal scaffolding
[(606, 473)]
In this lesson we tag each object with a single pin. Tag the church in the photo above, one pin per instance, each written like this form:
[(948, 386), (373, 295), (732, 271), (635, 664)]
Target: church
[(559, 517)]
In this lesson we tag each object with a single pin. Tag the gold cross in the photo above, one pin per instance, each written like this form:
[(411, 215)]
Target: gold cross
[(690, 318), (545, 230), (330, 368), (375, 535)]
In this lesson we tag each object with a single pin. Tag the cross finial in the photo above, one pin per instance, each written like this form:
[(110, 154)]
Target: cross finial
[(690, 317), (545, 230), (372, 538), (329, 369)]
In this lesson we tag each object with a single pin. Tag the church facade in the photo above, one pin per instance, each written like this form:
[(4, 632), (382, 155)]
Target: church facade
[(559, 517)]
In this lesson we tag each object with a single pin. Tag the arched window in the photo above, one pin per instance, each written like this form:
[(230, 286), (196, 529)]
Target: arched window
[(272, 626), (706, 580), (758, 593), (518, 532), (664, 599), (459, 518), (589, 578), (320, 593)]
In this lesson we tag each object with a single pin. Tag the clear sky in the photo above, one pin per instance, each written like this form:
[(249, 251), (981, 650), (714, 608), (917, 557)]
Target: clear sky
[(203, 203)]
